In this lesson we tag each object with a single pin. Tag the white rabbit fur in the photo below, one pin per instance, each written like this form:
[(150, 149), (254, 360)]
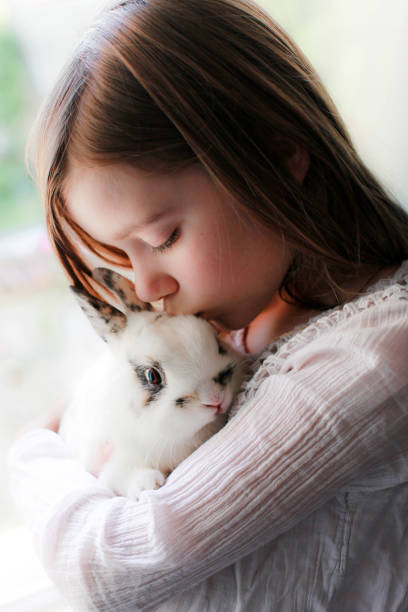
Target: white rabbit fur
[(151, 427)]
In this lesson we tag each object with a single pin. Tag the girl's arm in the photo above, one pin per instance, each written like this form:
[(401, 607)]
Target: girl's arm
[(338, 407)]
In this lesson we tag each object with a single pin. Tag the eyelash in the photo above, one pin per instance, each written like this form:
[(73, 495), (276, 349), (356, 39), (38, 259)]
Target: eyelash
[(169, 242)]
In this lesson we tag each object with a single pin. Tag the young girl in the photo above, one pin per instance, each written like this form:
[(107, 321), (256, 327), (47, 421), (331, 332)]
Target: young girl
[(193, 142)]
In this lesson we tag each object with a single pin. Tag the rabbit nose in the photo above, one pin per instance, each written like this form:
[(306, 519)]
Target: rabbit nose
[(210, 395), (214, 404), (219, 406)]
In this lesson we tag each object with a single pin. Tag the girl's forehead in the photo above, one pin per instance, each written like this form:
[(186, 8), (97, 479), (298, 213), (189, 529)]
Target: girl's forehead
[(109, 185), (107, 200), (101, 198), (111, 177), (119, 178)]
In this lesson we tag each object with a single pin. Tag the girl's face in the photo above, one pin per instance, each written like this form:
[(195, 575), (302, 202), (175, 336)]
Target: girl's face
[(185, 241)]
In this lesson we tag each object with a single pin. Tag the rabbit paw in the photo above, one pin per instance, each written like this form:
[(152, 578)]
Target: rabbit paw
[(144, 479)]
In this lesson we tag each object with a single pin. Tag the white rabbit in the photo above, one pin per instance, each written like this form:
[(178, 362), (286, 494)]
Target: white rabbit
[(161, 389)]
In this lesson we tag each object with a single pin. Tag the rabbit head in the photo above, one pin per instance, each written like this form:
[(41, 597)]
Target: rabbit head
[(174, 376)]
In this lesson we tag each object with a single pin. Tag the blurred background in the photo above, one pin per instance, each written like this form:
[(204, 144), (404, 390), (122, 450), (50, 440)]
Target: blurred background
[(359, 48)]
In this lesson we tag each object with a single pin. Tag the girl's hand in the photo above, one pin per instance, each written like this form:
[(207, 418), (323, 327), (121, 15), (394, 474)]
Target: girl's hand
[(102, 455), (52, 419), (49, 420)]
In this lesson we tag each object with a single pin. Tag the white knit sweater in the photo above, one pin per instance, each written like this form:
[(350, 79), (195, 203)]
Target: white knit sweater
[(300, 503)]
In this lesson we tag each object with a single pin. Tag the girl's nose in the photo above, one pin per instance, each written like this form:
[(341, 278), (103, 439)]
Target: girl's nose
[(152, 285)]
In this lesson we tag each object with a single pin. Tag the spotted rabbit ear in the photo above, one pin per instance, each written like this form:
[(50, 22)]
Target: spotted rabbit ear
[(122, 287), (106, 319)]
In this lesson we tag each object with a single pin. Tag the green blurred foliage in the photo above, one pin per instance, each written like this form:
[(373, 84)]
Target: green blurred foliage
[(11, 78), (19, 205)]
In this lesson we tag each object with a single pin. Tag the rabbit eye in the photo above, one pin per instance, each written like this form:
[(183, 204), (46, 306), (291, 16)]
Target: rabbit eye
[(153, 376)]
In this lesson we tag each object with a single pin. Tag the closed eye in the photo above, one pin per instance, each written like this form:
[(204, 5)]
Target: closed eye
[(225, 376), (174, 236)]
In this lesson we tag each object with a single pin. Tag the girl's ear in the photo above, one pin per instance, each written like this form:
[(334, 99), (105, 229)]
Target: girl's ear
[(298, 162), (106, 320)]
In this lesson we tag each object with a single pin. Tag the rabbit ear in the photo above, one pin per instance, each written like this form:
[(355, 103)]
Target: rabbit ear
[(122, 288), (106, 319)]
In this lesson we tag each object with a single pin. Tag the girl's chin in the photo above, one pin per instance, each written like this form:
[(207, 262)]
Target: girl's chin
[(228, 323), (216, 321)]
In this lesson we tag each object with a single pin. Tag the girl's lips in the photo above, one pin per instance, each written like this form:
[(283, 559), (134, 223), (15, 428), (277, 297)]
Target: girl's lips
[(162, 306), (202, 315)]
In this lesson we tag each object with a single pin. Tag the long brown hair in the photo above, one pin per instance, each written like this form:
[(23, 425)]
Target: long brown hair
[(164, 83)]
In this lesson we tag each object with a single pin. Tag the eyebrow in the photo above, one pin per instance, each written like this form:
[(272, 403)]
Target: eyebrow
[(137, 228)]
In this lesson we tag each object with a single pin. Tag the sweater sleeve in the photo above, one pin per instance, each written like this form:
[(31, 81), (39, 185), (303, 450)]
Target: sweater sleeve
[(337, 408)]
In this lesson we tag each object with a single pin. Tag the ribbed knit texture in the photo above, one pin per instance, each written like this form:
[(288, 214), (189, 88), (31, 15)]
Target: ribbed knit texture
[(300, 503)]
